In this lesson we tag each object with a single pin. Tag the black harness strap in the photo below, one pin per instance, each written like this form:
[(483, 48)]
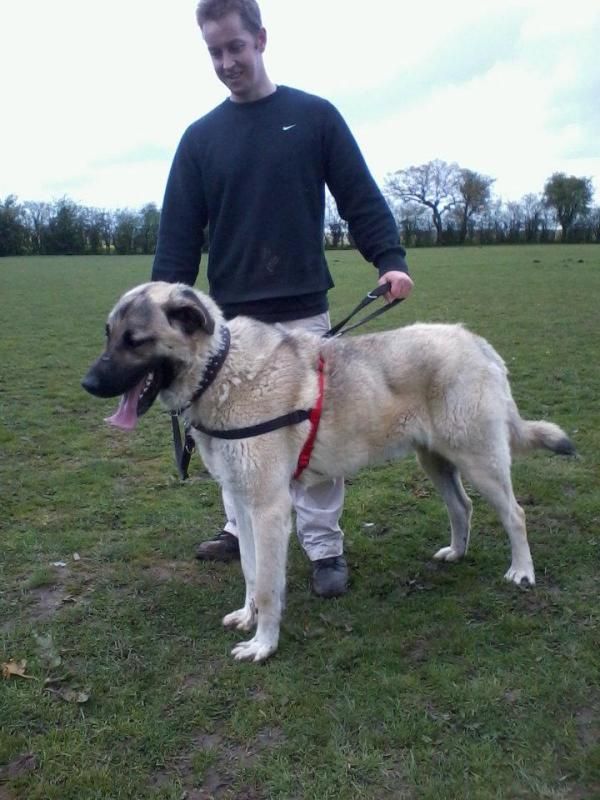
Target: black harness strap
[(293, 418)]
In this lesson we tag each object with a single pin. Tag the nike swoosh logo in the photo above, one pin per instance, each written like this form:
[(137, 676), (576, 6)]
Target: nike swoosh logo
[(288, 127)]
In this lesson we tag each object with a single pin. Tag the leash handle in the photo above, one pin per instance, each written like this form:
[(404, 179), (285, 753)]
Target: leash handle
[(379, 290), (339, 329)]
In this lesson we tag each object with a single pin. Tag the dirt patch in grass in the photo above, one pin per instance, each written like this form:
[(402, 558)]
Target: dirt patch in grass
[(46, 602), (18, 766), (587, 723), (163, 571), (68, 586), (418, 652), (588, 793), (223, 762)]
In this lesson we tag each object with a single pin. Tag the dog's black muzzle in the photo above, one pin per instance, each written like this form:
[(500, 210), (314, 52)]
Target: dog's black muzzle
[(104, 379)]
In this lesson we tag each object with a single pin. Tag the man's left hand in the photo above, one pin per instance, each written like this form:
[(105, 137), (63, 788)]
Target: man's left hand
[(401, 285)]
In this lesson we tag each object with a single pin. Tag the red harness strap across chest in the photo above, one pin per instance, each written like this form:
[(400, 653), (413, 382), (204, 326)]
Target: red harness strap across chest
[(314, 418), (313, 415)]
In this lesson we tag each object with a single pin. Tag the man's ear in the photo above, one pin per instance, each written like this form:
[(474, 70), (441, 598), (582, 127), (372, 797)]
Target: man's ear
[(261, 40), (189, 313)]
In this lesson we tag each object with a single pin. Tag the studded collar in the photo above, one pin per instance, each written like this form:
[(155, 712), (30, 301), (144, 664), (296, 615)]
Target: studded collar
[(211, 370)]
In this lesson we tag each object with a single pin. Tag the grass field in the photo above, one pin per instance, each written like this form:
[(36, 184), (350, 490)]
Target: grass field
[(427, 681)]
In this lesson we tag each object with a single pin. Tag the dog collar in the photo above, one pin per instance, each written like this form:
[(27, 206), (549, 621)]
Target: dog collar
[(211, 370)]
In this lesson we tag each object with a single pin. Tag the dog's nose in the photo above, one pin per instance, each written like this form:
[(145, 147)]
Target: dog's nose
[(91, 384)]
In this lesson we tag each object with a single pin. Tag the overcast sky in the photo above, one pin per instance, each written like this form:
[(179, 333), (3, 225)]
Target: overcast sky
[(95, 95)]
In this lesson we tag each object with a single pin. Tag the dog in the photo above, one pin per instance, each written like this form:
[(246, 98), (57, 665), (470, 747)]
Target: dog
[(435, 389)]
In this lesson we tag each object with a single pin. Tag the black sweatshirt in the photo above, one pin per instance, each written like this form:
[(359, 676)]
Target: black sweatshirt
[(255, 173)]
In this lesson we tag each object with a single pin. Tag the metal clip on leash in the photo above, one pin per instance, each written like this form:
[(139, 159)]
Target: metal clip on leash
[(183, 447), (339, 330)]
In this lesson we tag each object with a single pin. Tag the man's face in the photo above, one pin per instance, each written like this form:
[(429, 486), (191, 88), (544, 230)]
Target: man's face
[(237, 56)]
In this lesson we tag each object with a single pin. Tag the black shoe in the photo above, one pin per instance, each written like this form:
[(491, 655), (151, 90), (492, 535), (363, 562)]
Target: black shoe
[(330, 576), (222, 547)]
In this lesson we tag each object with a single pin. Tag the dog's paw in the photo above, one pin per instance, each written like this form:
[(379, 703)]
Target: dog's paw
[(253, 650), (448, 554), (244, 619), (524, 578)]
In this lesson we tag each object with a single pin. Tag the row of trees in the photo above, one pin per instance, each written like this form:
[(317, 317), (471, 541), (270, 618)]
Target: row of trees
[(434, 203), (443, 203), (65, 228)]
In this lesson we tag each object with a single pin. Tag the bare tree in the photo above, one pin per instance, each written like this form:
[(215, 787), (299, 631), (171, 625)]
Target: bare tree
[(414, 223), (492, 223), (336, 228), (533, 216), (434, 185), (515, 221), (38, 215)]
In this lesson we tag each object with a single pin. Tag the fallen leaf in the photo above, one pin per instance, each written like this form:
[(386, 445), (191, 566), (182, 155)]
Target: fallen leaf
[(15, 669)]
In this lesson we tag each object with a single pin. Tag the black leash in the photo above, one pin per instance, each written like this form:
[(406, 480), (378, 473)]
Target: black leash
[(184, 446), (339, 330)]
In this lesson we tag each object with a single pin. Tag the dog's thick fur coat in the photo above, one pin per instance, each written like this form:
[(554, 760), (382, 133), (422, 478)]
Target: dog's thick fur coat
[(438, 390)]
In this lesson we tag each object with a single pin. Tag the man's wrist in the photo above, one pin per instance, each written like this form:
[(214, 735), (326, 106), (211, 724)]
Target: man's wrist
[(391, 261)]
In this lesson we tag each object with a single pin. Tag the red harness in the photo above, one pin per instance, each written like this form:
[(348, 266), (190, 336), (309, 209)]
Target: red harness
[(315, 418)]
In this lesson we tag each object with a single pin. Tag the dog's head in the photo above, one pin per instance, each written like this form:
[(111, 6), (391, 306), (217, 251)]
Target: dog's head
[(154, 335)]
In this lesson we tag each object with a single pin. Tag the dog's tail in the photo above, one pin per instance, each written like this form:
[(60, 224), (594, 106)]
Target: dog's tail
[(529, 435)]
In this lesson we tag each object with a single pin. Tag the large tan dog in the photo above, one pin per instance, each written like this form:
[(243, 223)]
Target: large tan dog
[(436, 389)]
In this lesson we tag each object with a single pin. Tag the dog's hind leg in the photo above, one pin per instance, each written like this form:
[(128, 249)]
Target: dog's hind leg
[(446, 478), (490, 474), (271, 523)]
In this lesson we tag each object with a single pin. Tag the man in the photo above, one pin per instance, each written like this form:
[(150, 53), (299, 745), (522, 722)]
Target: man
[(254, 170)]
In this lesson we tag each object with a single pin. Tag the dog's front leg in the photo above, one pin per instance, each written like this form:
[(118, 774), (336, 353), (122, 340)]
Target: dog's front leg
[(244, 619), (271, 525)]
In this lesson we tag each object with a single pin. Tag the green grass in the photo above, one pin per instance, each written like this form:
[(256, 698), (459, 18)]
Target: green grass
[(426, 681)]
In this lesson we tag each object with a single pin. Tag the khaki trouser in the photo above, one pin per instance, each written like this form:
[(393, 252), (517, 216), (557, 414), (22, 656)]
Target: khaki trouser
[(318, 508)]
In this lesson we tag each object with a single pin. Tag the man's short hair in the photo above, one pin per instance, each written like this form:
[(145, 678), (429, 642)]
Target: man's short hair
[(216, 9)]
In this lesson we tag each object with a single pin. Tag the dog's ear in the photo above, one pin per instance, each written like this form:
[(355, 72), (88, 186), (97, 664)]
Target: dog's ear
[(189, 313)]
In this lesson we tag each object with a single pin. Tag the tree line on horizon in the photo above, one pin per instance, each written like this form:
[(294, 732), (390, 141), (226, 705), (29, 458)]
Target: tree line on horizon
[(436, 203)]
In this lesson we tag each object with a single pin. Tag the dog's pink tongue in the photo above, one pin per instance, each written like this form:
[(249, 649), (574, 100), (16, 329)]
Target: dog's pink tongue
[(125, 416)]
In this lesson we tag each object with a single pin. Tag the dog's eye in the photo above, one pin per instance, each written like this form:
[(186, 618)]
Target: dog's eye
[(129, 341)]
